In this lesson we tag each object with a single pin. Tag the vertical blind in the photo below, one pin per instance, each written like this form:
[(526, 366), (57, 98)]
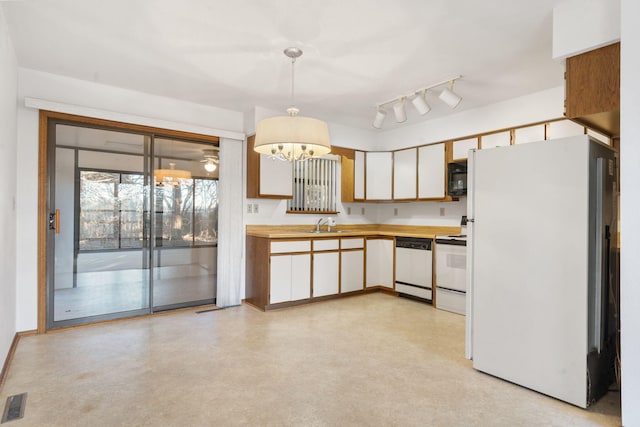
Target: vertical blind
[(314, 185)]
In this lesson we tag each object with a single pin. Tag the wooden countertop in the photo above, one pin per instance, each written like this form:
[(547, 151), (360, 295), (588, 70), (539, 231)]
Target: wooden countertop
[(348, 230)]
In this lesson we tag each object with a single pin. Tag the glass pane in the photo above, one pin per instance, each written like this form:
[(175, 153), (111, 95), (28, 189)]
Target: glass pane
[(186, 218), (101, 263), (206, 212)]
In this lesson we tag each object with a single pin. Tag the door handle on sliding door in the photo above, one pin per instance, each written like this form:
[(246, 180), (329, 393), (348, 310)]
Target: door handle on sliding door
[(54, 221)]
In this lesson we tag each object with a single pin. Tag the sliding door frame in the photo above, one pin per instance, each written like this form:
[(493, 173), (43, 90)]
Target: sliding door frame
[(46, 119)]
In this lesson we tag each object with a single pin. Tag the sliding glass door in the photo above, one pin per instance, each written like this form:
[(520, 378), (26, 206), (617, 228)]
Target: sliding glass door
[(185, 226), (124, 238)]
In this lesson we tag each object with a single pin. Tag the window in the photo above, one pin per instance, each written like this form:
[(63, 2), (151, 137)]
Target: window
[(112, 212), (314, 185), (187, 214)]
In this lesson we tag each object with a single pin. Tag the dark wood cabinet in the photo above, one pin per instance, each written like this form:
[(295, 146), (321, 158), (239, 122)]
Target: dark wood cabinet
[(593, 89)]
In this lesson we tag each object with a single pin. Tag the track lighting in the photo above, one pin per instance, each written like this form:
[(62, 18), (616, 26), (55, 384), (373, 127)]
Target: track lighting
[(399, 112), (449, 97), (379, 120), (419, 101)]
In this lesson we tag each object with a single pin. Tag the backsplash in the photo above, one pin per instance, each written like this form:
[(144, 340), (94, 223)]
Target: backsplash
[(273, 212)]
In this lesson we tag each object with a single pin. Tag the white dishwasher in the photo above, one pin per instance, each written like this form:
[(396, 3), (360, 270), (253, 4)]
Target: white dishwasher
[(414, 267)]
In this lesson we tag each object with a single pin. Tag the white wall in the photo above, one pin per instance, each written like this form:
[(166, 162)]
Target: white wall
[(583, 25), (535, 107), (630, 206), (8, 88), (119, 104)]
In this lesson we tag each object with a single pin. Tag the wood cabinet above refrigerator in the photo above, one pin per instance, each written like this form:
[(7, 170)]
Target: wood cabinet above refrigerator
[(593, 89)]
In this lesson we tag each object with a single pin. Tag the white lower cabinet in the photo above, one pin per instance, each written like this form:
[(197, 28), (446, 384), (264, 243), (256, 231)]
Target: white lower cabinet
[(325, 273), (351, 271), (380, 263), (289, 278)]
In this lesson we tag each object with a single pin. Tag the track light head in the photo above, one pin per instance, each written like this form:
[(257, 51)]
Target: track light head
[(449, 97), (399, 112), (421, 103), (379, 119)]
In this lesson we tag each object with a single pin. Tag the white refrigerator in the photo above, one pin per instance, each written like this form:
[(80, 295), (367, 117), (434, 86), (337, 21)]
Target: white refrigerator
[(541, 285)]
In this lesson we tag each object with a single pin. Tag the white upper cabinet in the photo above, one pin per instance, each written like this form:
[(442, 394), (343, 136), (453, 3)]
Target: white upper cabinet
[(404, 174), (500, 139), (563, 129), (529, 134), (358, 176), (378, 175), (276, 177), (431, 162), (461, 148)]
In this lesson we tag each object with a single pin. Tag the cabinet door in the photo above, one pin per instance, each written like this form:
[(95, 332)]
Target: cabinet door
[(378, 175), (380, 262), (529, 134), (461, 148), (358, 176), (280, 279), (431, 162), (500, 139), (404, 174), (386, 261), (300, 276), (564, 129), (351, 271), (276, 177), (325, 274)]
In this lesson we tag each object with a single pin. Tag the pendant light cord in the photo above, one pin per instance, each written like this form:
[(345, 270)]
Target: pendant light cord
[(293, 79)]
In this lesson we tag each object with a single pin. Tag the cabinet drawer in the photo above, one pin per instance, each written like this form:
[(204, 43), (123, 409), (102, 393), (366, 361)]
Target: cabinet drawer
[(352, 243), (290, 246), (326, 245)]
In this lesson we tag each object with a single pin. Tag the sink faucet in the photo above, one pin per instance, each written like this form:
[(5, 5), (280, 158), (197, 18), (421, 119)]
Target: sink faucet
[(319, 223)]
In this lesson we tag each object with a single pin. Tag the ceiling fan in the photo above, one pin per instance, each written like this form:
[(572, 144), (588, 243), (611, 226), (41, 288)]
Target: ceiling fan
[(210, 160)]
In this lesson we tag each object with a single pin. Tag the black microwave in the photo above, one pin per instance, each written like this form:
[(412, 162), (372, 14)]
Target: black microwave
[(457, 178)]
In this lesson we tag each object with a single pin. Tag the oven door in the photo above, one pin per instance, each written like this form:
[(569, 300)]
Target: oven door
[(451, 265)]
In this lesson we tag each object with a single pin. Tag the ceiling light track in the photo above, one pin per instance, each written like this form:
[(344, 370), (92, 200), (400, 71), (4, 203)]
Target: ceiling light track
[(418, 99)]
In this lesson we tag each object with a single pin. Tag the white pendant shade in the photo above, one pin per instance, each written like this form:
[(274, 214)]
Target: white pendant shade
[(171, 176), (292, 137)]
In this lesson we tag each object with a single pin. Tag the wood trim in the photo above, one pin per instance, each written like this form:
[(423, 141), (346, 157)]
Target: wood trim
[(93, 122), (45, 117), (8, 359), (312, 212), (43, 190), (253, 170)]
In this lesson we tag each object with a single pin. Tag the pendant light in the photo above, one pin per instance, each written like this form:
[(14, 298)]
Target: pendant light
[(171, 176), (292, 137)]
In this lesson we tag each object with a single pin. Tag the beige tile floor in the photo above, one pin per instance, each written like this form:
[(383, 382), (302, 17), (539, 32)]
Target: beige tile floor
[(371, 360)]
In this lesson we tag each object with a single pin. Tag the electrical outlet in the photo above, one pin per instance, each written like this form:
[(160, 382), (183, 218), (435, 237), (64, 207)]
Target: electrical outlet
[(395, 211), (361, 211), (249, 208), (255, 208), (348, 210), (441, 211)]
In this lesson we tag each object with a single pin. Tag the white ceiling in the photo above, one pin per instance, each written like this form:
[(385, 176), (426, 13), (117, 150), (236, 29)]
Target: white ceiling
[(357, 53)]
